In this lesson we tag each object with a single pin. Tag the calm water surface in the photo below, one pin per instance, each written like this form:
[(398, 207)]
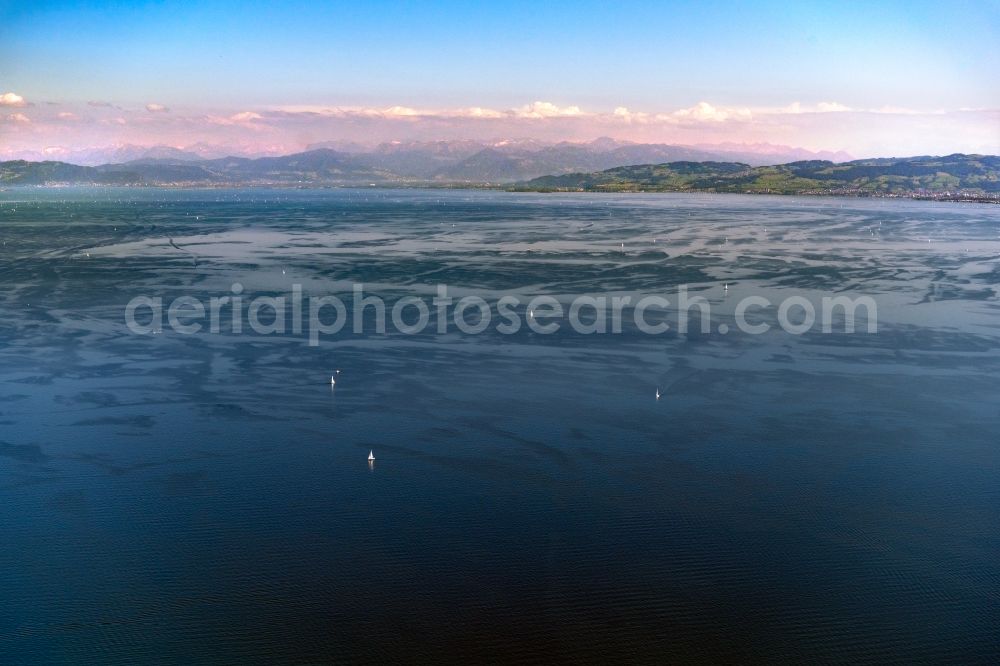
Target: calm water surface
[(205, 498)]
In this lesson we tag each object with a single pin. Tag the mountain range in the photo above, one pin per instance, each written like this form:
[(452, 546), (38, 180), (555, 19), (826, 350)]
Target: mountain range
[(516, 166), (500, 161)]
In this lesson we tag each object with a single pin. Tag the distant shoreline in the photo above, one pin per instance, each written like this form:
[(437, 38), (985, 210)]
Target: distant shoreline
[(953, 198), (494, 187)]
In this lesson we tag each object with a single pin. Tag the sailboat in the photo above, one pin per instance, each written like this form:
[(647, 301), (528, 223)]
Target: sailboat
[(371, 456), (657, 393)]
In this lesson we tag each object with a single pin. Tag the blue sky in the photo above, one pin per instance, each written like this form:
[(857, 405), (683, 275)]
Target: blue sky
[(595, 56)]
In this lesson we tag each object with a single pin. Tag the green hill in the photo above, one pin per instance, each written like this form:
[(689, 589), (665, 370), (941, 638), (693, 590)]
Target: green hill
[(958, 176)]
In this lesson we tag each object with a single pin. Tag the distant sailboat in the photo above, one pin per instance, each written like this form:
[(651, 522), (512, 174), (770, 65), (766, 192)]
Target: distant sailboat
[(333, 381), (371, 456), (657, 393)]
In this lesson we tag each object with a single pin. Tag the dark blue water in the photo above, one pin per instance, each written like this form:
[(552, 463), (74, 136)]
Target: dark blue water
[(171, 498)]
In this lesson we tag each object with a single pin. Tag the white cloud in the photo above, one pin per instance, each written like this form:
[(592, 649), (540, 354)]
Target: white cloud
[(796, 108), (478, 112), (67, 115), (705, 112), (12, 99), (832, 107), (152, 107), (546, 110), (622, 113), (19, 118)]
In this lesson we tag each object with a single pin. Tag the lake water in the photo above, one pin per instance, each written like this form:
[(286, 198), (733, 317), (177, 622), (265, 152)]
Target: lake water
[(205, 498)]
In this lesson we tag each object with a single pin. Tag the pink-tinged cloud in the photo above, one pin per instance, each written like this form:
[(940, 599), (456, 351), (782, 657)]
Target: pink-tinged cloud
[(19, 118), (827, 125), (245, 117), (12, 99), (152, 107)]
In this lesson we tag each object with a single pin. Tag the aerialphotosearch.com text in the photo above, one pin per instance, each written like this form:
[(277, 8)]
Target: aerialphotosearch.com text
[(319, 316)]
